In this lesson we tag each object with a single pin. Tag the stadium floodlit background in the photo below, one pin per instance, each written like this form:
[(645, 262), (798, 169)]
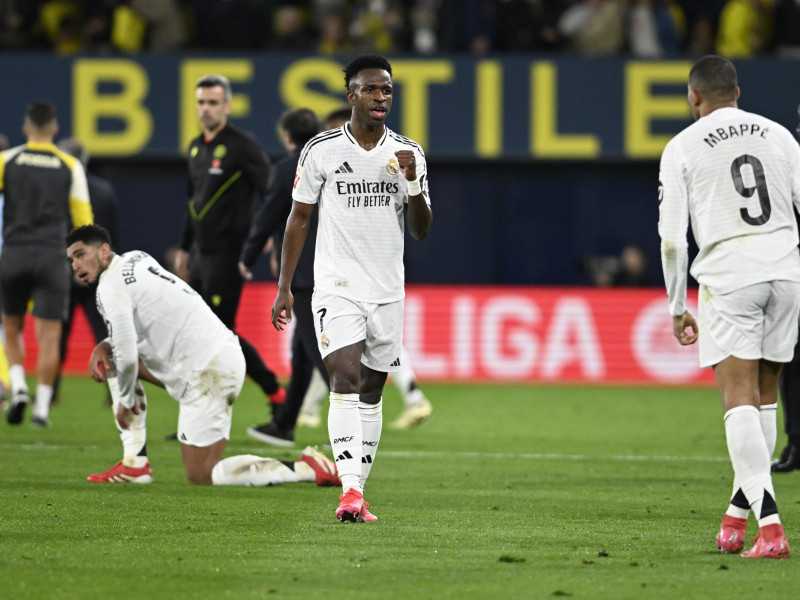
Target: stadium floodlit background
[(542, 124), (537, 163), (543, 151)]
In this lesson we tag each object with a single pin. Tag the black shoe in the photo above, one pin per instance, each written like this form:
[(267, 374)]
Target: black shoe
[(17, 409), (271, 434), (788, 461)]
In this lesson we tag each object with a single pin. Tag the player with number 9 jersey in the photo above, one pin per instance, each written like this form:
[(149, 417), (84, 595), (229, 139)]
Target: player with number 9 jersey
[(736, 175)]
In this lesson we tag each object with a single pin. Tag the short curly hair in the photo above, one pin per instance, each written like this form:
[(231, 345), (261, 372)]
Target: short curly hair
[(365, 61)]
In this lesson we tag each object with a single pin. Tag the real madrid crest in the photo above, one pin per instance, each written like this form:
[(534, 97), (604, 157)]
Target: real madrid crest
[(324, 342), (392, 167)]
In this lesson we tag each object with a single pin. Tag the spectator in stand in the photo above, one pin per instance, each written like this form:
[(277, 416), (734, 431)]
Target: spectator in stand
[(743, 30), (17, 23), (653, 31), (377, 25), (633, 269), (629, 269), (593, 28), (333, 35), (147, 25), (290, 30)]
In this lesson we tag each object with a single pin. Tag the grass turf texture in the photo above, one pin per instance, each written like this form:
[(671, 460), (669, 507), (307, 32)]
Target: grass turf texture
[(509, 491)]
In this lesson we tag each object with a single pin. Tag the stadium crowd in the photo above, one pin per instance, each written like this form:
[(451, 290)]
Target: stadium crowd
[(637, 28)]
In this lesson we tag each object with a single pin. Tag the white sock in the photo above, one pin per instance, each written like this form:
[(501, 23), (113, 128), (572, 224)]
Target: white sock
[(250, 470), (344, 430), (16, 373), (371, 425), (41, 406), (316, 392), (134, 439), (404, 377), (767, 415), (750, 458), (769, 425)]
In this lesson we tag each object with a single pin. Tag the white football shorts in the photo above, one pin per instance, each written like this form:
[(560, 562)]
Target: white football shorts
[(341, 322), (757, 321), (207, 403)]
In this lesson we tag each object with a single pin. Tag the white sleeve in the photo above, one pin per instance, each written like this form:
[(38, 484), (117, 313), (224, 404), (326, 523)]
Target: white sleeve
[(308, 180), (118, 313), (673, 226)]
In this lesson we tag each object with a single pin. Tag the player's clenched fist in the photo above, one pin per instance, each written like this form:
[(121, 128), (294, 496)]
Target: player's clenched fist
[(407, 163)]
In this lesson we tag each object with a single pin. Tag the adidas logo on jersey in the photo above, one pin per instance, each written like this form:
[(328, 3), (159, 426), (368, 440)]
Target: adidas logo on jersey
[(396, 362), (344, 168)]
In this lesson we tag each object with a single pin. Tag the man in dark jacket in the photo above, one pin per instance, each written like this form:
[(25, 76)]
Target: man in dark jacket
[(298, 126), (227, 168)]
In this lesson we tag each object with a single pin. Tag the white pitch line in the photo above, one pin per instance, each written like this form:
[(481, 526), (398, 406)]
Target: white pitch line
[(43, 446), (521, 456), (443, 454), (549, 456)]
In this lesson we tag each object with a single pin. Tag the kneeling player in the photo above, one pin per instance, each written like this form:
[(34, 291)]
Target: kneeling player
[(162, 331)]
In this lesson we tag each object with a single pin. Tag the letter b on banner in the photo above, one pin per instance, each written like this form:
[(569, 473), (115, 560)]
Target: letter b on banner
[(97, 115)]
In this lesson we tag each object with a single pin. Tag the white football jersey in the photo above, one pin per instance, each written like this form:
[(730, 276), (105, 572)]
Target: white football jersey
[(154, 315), (736, 175), (361, 196)]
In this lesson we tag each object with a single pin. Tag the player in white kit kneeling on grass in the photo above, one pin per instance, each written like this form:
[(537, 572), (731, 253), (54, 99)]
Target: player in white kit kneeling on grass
[(161, 331)]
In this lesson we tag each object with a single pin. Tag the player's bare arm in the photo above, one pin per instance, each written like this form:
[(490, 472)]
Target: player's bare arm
[(293, 242), (420, 215)]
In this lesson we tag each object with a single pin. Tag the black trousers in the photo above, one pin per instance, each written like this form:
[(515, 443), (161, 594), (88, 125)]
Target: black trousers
[(217, 279), (305, 358), (85, 297), (790, 396)]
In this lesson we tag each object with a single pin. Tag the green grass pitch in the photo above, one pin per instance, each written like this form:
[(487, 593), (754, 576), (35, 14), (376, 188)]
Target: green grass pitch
[(508, 492)]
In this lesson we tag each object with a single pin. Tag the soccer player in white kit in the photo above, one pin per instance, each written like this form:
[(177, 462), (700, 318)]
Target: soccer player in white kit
[(162, 331), (364, 177), (736, 176)]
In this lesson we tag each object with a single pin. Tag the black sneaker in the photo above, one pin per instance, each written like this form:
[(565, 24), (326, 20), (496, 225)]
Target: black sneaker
[(271, 434), (17, 409)]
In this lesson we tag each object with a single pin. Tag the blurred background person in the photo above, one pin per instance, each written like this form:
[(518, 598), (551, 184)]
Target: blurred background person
[(5, 382), (45, 193), (297, 126), (104, 207)]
